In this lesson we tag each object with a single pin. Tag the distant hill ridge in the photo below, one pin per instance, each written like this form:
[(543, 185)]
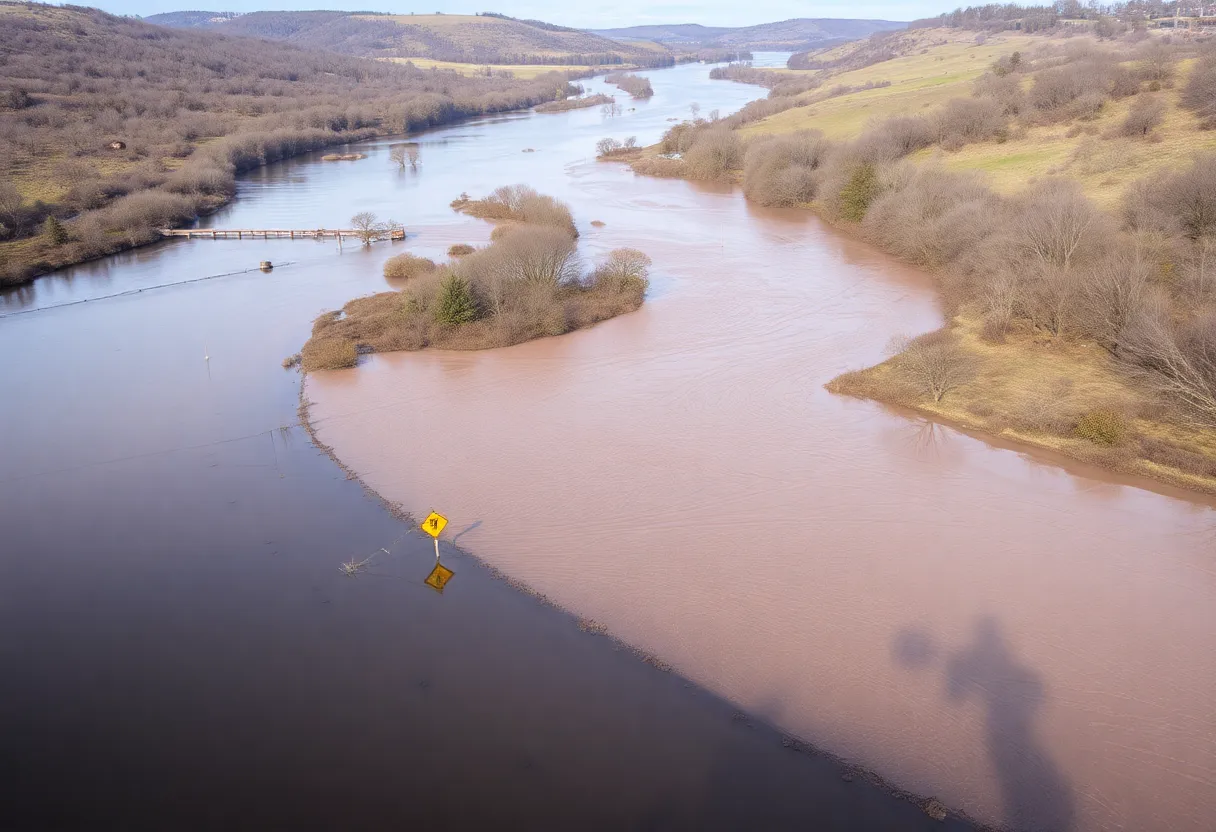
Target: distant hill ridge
[(478, 39), (794, 35)]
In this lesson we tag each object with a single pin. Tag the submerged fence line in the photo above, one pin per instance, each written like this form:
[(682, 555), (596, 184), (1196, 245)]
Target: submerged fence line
[(142, 289)]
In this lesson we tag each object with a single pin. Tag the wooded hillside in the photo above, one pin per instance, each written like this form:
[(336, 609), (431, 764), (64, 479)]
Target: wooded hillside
[(111, 127), (478, 39), (785, 35)]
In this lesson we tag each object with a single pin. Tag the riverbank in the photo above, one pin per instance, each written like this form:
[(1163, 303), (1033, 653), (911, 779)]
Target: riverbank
[(1070, 398), (1071, 264)]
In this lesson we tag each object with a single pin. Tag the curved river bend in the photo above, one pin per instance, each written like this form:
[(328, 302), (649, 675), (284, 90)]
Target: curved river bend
[(1029, 643), (1033, 644), (179, 647)]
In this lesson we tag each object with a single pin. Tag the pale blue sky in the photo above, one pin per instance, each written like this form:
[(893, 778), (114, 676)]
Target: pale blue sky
[(587, 13)]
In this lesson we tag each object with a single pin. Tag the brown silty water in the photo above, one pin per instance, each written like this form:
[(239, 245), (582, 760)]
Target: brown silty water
[(1032, 641)]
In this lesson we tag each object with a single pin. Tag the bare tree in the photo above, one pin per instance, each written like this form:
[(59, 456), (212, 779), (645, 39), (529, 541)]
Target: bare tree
[(398, 156), (1001, 297), (624, 266), (1057, 223), (1146, 114), (1157, 58), (11, 204), (935, 363), (544, 256), (695, 109), (607, 147), (367, 227), (611, 109), (1112, 295), (1181, 362)]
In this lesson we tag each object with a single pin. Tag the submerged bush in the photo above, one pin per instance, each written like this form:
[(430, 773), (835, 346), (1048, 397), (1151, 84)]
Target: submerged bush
[(405, 266), (519, 203)]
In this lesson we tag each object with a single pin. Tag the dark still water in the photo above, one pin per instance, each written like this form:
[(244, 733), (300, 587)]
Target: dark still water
[(179, 648)]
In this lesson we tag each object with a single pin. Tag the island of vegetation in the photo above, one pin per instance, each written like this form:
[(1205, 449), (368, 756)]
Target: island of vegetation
[(528, 283), (577, 103), (635, 85), (1058, 177), (112, 128)]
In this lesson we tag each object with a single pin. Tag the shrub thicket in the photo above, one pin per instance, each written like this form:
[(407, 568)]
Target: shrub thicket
[(519, 203), (635, 85), (405, 266), (784, 170), (714, 154), (1146, 114)]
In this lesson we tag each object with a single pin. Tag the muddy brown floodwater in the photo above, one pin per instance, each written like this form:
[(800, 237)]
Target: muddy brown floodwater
[(178, 648), (1033, 643)]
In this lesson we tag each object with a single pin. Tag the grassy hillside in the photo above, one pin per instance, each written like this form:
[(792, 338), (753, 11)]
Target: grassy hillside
[(466, 39), (785, 35), (188, 109), (933, 66)]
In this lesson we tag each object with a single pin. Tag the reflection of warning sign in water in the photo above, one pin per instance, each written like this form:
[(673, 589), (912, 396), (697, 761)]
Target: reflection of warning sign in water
[(439, 577), (434, 524)]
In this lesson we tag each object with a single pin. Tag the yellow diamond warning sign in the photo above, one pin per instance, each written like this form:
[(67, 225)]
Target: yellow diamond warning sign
[(434, 524), (439, 577)]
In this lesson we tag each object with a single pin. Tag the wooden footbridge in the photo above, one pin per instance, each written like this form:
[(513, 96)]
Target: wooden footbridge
[(267, 233)]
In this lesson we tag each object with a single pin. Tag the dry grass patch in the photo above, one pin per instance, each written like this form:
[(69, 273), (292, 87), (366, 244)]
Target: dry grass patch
[(1067, 396)]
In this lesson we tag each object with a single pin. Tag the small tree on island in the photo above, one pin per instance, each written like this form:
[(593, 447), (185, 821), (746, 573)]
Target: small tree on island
[(456, 302)]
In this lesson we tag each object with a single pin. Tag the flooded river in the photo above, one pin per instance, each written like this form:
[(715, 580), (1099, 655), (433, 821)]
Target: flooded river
[(179, 647), (1033, 643)]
